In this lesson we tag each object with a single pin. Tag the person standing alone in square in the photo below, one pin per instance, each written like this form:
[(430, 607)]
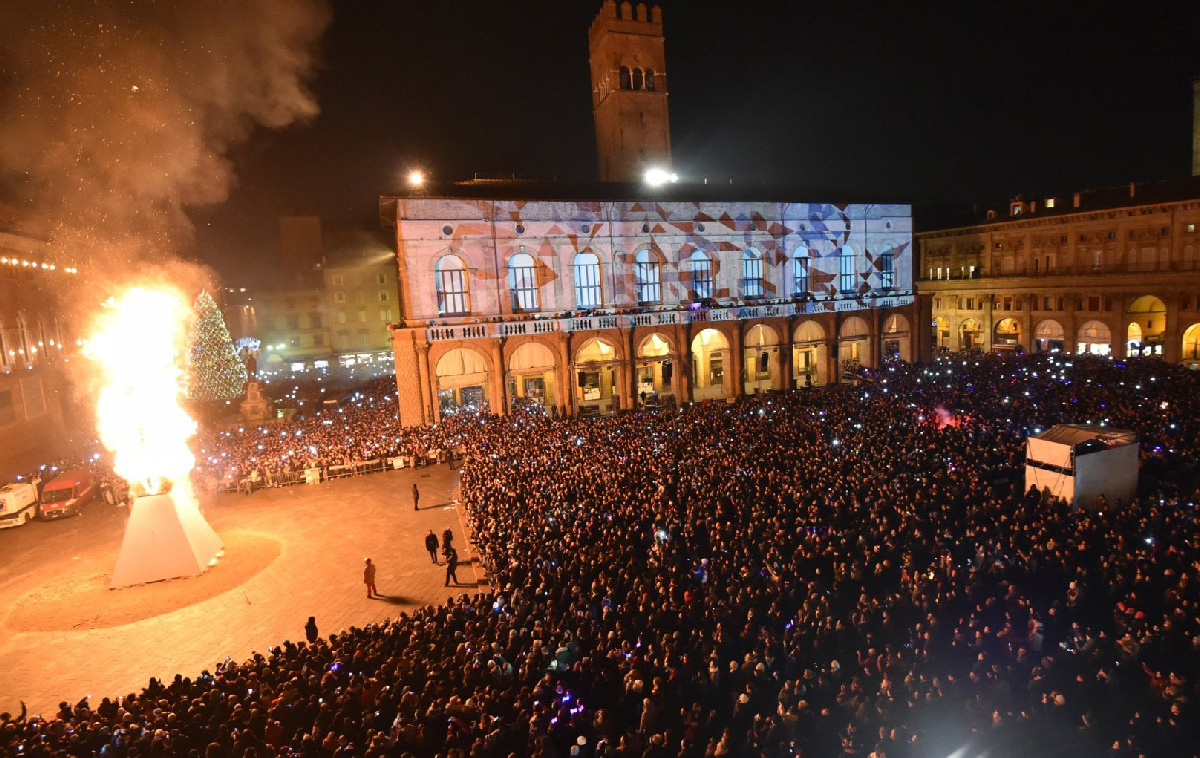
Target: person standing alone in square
[(369, 577)]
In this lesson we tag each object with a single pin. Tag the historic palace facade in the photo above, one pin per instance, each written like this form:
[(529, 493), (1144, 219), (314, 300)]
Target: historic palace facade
[(630, 298), (1113, 272)]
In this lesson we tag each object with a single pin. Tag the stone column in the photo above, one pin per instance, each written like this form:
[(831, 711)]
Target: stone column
[(499, 391), (623, 384), (1172, 335), (569, 389), (429, 408), (684, 367), (1118, 324), (566, 376), (786, 352), (738, 373)]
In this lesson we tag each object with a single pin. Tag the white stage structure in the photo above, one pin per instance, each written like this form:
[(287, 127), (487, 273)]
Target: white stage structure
[(1079, 462), (166, 537)]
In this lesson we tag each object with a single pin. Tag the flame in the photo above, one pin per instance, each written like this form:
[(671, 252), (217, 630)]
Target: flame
[(139, 345)]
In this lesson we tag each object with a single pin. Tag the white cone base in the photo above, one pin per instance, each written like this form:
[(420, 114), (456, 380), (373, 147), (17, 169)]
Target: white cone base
[(164, 539)]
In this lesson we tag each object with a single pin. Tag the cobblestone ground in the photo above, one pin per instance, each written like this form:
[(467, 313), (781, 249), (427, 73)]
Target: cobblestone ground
[(323, 531)]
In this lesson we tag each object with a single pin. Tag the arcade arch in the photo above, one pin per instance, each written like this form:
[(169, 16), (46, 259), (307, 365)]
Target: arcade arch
[(761, 365), (462, 380), (970, 335), (941, 332), (711, 378), (896, 340), (1191, 344), (1007, 335), (854, 343), (1094, 338), (597, 376), (1049, 337), (1147, 328), (655, 371), (810, 355), (531, 375)]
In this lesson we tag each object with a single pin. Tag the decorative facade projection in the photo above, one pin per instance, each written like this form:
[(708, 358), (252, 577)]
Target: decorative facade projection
[(1112, 272), (597, 305)]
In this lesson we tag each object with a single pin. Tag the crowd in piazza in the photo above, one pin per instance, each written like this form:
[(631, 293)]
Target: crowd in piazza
[(823, 572)]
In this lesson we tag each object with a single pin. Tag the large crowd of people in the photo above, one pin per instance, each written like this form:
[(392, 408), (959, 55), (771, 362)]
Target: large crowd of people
[(837, 572), (344, 435)]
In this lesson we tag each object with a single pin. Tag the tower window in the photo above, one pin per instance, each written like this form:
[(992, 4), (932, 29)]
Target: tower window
[(625, 78), (650, 79), (639, 80)]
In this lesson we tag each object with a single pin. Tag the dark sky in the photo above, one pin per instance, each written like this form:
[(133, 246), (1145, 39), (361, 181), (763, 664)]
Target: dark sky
[(953, 103)]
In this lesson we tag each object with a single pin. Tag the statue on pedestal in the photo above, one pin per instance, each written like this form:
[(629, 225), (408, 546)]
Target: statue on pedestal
[(254, 407)]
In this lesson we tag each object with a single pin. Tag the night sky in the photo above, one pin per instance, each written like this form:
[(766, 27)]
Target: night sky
[(968, 103)]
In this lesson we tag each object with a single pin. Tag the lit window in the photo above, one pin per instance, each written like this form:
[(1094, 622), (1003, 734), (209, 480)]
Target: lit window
[(752, 273), (847, 284), (800, 274), (646, 276), (587, 281), (887, 269), (522, 282), (702, 280), (452, 288)]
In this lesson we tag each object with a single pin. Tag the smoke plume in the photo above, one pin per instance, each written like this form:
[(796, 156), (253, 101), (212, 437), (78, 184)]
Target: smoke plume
[(117, 116)]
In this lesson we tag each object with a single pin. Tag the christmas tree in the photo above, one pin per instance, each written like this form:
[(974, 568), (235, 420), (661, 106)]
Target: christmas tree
[(216, 372)]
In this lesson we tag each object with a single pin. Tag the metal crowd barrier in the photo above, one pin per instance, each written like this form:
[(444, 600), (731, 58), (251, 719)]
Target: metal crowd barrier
[(314, 475)]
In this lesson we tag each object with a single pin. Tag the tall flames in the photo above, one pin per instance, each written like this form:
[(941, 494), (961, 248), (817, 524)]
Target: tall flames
[(138, 345)]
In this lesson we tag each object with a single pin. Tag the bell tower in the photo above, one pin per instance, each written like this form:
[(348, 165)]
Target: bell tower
[(1195, 121), (629, 91)]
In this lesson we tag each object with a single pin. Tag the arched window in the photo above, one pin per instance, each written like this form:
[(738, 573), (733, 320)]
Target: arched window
[(639, 79), (650, 79), (24, 354), (800, 273), (846, 283), (625, 80), (700, 267), (522, 282), (453, 293), (587, 281), (43, 347), (887, 268), (646, 275), (752, 273)]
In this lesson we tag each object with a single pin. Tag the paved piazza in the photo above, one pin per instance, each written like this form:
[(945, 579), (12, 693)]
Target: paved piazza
[(321, 532)]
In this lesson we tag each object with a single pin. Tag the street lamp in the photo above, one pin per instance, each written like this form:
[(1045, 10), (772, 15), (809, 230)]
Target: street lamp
[(656, 177), (416, 178)]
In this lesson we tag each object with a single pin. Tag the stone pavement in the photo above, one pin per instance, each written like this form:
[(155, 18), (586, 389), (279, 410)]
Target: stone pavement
[(325, 531)]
